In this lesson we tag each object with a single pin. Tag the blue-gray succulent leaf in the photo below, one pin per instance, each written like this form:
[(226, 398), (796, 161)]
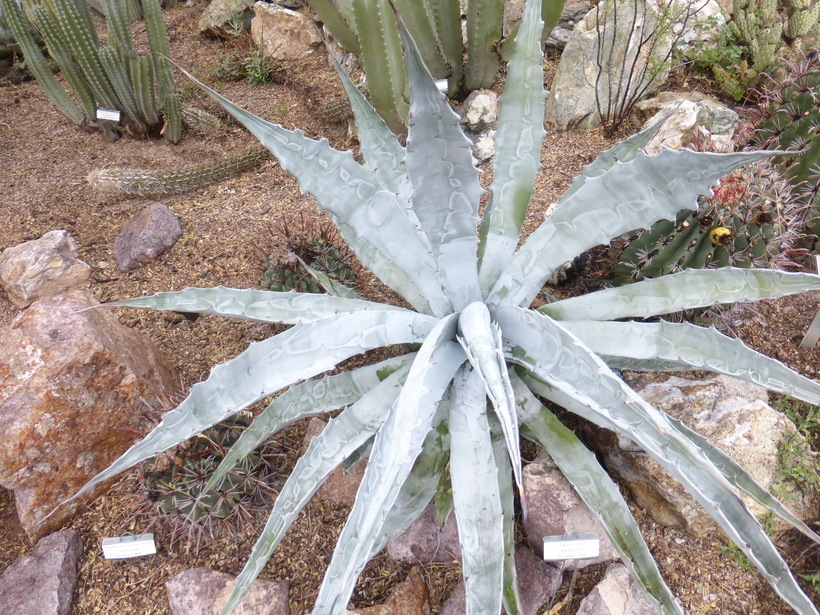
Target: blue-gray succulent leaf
[(396, 447), (627, 196), (337, 441), (686, 290)]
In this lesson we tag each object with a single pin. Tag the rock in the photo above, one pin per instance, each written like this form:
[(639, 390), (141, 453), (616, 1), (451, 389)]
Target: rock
[(339, 487), (616, 594), (537, 582), (572, 99), (573, 12), (202, 591), (424, 542), (74, 389), (42, 583), (409, 598), (145, 236), (42, 268), (220, 14), (480, 110), (484, 147), (284, 34), (291, 4), (730, 413), (693, 116), (553, 509)]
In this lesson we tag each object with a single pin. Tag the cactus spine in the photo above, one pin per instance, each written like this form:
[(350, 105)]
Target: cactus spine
[(751, 221), (145, 183)]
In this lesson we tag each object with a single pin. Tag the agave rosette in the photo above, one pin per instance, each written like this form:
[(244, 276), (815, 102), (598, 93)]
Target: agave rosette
[(485, 360)]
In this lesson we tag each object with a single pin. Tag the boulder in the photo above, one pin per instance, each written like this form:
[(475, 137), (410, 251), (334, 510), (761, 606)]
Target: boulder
[(340, 487), (219, 15), (690, 118), (42, 583), (284, 34), (42, 268), (202, 591), (573, 12), (554, 509), (480, 110), (145, 236), (537, 582), (628, 70), (618, 593), (409, 598), (75, 386), (734, 416), (424, 542)]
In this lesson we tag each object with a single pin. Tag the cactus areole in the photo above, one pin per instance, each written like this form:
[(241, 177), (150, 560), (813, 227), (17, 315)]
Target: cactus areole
[(484, 360)]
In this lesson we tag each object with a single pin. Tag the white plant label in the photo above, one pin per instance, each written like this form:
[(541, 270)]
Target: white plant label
[(571, 546), (123, 547), (108, 114)]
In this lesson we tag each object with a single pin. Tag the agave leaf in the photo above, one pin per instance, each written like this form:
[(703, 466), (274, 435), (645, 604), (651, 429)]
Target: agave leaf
[(648, 365), (685, 290), (369, 217), (510, 594), (338, 440), (380, 149), (600, 493), (476, 496), (481, 341), (518, 146), (312, 397), (328, 284), (698, 347), (741, 479), (625, 197), (421, 483), (289, 308), (357, 456), (396, 447), (266, 367), (561, 360), (445, 182)]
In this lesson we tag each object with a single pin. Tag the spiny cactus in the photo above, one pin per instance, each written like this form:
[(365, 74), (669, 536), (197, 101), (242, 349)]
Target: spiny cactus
[(802, 18), (144, 183), (794, 124), (199, 120), (751, 221), (181, 489), (101, 76), (286, 267)]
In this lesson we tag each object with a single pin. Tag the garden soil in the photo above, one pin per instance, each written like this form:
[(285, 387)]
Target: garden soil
[(227, 230)]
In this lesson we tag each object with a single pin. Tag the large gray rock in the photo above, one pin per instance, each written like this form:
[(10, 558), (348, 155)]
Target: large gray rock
[(42, 268), (221, 15), (284, 34), (616, 594), (628, 70), (75, 386), (145, 236), (573, 12), (734, 416), (425, 542), (690, 117), (202, 591), (554, 509), (42, 583), (537, 582)]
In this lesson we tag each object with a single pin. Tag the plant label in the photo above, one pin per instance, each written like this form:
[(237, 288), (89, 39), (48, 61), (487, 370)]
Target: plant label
[(123, 547), (108, 114), (571, 546)]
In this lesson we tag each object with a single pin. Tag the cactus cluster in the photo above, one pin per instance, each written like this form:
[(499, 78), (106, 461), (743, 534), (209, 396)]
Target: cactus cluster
[(794, 124), (180, 490), (101, 75), (298, 253), (136, 182), (752, 220)]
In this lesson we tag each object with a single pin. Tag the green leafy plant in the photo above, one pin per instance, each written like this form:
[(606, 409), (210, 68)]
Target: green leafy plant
[(411, 214), (369, 28), (101, 76)]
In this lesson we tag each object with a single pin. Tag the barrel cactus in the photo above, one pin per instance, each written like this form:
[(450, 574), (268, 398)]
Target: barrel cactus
[(752, 220), (474, 360)]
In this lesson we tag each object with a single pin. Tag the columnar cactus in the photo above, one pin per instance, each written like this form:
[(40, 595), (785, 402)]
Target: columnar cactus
[(112, 76)]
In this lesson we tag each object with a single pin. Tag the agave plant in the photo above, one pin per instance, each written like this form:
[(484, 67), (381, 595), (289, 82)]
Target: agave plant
[(485, 360)]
